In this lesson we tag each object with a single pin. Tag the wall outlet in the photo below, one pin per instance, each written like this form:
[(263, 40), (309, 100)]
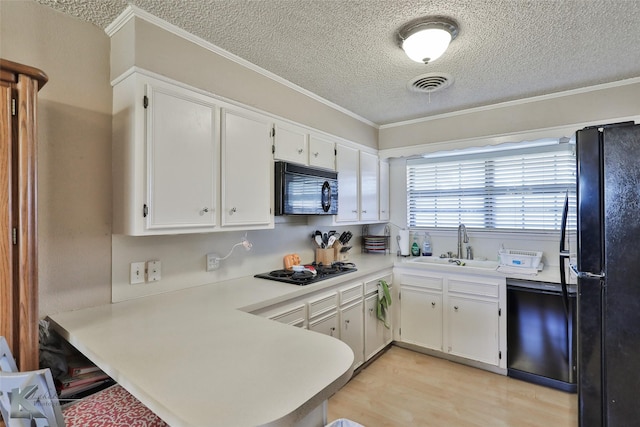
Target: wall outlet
[(136, 273), (213, 262), (154, 271)]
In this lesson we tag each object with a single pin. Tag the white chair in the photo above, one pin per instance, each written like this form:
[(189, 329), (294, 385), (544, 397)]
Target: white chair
[(7, 362), (34, 398), (29, 396)]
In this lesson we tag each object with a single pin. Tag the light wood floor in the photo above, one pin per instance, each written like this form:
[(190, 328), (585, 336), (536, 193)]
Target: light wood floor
[(405, 388)]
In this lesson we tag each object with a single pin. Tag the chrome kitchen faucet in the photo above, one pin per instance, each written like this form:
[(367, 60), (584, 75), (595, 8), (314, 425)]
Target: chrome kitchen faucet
[(462, 237)]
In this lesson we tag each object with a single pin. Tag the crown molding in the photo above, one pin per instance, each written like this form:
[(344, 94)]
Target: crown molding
[(135, 12), (516, 102)]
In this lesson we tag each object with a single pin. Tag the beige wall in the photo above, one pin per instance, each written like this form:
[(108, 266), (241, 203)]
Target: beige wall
[(605, 103), (74, 151)]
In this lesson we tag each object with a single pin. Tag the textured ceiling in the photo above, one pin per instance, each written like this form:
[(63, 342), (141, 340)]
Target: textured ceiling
[(345, 50)]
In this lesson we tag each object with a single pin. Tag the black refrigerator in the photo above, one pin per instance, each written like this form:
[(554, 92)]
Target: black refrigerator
[(608, 270)]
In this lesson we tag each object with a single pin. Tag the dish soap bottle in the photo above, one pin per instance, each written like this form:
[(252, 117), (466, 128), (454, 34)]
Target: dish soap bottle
[(415, 247), (426, 245)]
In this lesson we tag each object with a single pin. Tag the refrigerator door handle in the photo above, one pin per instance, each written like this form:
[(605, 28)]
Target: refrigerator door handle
[(584, 274)]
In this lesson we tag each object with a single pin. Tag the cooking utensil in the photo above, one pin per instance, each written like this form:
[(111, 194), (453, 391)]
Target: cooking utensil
[(331, 241), (318, 240)]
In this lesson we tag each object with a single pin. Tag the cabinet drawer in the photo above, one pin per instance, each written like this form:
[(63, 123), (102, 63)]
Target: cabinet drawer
[(483, 289), (322, 304), (295, 315), (371, 286), (350, 293), (427, 282)]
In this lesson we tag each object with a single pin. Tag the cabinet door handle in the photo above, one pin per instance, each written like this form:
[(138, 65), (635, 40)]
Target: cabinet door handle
[(204, 210), (433, 304), (455, 307), (315, 154), (300, 150), (354, 211), (364, 211), (232, 211), (371, 311), (332, 330), (346, 324)]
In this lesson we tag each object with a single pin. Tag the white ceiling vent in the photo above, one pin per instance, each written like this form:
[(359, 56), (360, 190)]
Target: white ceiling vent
[(430, 82)]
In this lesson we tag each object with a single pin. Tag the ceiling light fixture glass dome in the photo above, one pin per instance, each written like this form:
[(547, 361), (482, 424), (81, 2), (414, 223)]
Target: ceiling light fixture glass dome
[(426, 39)]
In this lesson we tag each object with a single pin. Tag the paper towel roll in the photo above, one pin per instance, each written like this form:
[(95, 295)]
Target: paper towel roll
[(403, 242)]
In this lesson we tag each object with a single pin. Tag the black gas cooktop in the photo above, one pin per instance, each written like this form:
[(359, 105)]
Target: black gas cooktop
[(306, 277)]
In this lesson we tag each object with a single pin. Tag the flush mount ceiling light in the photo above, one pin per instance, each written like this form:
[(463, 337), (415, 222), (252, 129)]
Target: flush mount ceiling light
[(426, 39)]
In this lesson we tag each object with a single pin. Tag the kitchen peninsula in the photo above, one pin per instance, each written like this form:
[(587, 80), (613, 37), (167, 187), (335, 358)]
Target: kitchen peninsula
[(197, 358)]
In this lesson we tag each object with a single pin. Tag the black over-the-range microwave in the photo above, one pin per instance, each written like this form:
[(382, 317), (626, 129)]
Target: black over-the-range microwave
[(303, 190)]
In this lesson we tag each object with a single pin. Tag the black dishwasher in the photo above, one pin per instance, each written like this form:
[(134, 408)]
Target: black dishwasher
[(541, 333)]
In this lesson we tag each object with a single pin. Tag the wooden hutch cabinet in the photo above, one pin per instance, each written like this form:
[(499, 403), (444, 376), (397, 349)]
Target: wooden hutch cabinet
[(19, 85)]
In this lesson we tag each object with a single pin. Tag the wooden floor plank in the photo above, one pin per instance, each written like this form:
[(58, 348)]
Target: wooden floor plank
[(406, 388)]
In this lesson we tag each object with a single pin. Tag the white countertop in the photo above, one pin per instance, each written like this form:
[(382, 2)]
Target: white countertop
[(197, 358)]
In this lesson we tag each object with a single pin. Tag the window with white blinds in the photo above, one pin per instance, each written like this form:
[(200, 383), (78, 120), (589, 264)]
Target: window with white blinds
[(514, 189)]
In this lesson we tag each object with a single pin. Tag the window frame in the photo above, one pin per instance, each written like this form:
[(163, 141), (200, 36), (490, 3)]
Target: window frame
[(491, 212)]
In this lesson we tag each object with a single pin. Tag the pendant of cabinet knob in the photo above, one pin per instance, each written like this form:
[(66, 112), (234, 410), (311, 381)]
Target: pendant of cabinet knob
[(455, 307), (433, 304)]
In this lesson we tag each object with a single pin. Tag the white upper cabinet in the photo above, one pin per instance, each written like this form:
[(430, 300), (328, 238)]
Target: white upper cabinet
[(297, 144), (291, 143), (322, 152), (247, 170), (383, 191), (358, 186), (368, 187), (185, 162), (165, 158), (347, 165), (181, 154)]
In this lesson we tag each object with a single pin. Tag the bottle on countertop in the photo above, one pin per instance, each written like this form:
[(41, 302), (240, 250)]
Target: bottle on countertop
[(415, 246), (426, 245)]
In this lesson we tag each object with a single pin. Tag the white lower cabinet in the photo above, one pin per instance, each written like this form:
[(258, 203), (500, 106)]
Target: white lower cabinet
[(473, 329), (323, 314), (457, 314), (294, 314), (327, 325), (342, 312), (421, 305), (421, 317), (352, 330), (473, 318), (376, 335)]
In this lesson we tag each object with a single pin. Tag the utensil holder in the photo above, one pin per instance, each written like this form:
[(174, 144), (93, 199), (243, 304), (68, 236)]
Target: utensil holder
[(325, 256), (338, 254)]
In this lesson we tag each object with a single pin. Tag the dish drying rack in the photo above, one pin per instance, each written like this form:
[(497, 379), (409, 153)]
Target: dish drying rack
[(376, 243), (520, 258)]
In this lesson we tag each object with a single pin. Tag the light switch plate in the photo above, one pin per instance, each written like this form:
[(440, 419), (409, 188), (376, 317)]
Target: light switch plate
[(154, 271), (136, 273)]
